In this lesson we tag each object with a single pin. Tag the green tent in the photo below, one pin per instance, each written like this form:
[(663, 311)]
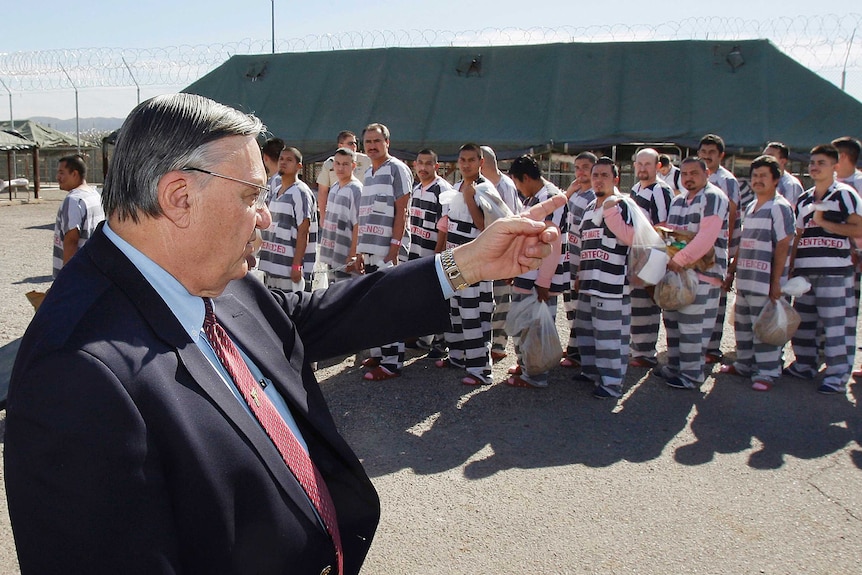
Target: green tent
[(45, 136), (555, 96), (10, 141)]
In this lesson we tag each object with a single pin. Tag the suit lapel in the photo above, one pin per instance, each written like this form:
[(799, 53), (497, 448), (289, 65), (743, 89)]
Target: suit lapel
[(261, 343), (284, 367), (114, 264)]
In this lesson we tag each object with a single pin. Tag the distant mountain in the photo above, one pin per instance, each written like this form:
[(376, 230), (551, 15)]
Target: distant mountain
[(86, 124)]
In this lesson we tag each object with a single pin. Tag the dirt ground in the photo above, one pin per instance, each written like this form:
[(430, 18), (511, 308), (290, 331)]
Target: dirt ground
[(502, 480)]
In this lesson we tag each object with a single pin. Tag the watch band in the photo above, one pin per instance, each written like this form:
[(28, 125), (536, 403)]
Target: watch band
[(450, 268)]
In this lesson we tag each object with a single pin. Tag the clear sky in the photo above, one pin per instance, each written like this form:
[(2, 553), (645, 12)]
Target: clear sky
[(53, 25)]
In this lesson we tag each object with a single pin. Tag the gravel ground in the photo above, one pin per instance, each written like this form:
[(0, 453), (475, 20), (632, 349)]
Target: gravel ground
[(723, 480)]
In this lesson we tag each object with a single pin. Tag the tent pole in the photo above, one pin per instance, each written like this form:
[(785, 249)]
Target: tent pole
[(77, 118), (273, 25), (36, 173)]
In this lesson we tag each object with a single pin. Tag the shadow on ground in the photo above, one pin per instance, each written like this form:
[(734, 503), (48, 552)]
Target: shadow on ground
[(430, 424), (34, 280)]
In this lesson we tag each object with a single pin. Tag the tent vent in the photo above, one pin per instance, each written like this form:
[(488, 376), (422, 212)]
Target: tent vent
[(470, 66), (256, 71), (735, 59)]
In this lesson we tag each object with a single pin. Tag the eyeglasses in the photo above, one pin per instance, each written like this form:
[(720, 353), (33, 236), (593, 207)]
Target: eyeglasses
[(263, 191)]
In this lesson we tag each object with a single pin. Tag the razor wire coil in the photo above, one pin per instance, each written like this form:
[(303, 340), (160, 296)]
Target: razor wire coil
[(826, 44)]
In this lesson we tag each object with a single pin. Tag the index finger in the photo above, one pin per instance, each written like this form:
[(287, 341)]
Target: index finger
[(543, 209)]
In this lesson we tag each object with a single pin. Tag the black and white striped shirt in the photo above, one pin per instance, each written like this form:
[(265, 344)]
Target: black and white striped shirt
[(425, 212), (392, 181), (687, 214), (278, 251), (654, 200), (762, 229), (342, 214), (819, 252), (603, 258)]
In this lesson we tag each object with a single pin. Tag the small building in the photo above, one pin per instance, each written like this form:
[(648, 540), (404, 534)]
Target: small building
[(13, 145), (53, 145)]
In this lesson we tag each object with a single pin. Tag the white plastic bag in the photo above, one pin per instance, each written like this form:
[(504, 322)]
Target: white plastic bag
[(492, 205), (776, 323), (539, 341), (795, 287), (321, 276), (676, 290), (647, 255)]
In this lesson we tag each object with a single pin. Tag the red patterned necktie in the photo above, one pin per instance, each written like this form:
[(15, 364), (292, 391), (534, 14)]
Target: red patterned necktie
[(291, 451)]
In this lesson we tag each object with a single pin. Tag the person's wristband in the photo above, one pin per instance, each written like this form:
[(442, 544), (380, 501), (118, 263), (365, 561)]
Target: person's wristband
[(297, 268), (395, 242)]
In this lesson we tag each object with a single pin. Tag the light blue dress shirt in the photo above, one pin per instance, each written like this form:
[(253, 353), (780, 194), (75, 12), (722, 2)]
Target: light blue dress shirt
[(189, 310)]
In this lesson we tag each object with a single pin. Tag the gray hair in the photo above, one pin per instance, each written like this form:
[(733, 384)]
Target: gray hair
[(164, 134)]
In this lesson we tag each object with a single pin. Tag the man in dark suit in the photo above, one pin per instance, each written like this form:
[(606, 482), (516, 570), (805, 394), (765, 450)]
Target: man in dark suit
[(132, 444)]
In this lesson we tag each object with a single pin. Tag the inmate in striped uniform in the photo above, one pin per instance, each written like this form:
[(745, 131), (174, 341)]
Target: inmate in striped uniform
[(763, 227), (502, 288), (469, 336), (727, 182), (855, 181), (823, 258), (603, 318), (790, 187), (577, 205), (383, 187), (689, 328), (425, 212), (342, 215), (278, 251), (274, 184), (81, 210), (554, 275), (654, 201)]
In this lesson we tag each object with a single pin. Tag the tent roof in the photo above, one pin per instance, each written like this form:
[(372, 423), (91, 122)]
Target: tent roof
[(516, 97), (11, 141), (43, 135)]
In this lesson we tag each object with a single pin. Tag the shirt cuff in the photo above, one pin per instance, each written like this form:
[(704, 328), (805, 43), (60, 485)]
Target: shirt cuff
[(445, 285)]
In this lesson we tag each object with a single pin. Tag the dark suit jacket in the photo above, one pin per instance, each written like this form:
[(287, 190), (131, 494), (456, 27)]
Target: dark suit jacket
[(126, 454)]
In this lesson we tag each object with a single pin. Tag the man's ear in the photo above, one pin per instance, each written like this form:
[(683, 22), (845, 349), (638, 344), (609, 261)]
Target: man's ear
[(174, 197)]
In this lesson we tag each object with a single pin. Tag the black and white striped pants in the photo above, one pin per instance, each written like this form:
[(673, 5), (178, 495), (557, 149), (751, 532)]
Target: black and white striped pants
[(646, 318), (469, 337), (689, 330), (830, 305), (603, 326)]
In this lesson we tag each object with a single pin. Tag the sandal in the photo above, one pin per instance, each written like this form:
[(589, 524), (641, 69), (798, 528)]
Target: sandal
[(498, 355), (443, 363), (569, 362), (379, 373), (371, 362), (473, 380), (515, 370), (730, 369), (516, 381), (761, 385)]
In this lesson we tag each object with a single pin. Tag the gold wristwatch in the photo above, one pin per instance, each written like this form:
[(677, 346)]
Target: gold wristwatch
[(450, 268)]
